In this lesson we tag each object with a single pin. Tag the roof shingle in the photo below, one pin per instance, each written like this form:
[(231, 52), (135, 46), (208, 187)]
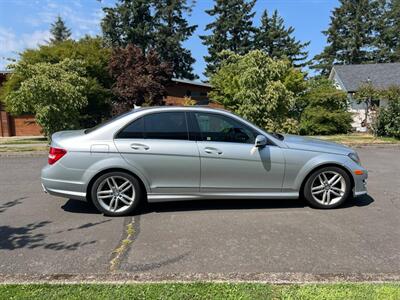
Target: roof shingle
[(380, 75)]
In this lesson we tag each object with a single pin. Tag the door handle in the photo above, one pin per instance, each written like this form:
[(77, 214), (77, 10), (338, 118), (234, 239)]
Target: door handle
[(211, 150), (138, 146)]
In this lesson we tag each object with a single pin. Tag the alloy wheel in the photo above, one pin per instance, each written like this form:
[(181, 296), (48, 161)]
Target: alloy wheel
[(116, 194), (328, 188)]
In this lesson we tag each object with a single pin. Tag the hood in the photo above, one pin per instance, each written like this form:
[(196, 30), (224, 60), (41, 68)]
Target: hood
[(310, 144)]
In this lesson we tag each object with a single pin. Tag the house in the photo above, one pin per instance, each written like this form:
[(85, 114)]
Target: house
[(350, 77), (177, 93)]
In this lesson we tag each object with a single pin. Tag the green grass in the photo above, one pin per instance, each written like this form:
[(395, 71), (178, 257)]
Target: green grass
[(201, 291), (358, 139), (14, 141), (23, 149)]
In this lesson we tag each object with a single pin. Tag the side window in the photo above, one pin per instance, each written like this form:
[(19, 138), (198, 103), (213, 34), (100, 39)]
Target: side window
[(166, 125), (134, 130), (218, 128)]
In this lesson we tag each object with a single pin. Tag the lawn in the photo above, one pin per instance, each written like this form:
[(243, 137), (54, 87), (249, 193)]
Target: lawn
[(28, 148), (201, 291), (355, 139), (20, 141)]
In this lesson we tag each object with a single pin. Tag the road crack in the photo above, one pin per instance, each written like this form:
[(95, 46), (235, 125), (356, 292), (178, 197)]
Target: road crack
[(123, 245)]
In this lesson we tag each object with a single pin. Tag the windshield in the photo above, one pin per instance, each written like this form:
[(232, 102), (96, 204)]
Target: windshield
[(89, 130)]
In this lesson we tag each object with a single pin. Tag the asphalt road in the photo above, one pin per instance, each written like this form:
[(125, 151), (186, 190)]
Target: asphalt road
[(41, 234)]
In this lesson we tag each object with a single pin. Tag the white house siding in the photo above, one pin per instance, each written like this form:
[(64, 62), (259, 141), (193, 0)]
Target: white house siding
[(357, 109)]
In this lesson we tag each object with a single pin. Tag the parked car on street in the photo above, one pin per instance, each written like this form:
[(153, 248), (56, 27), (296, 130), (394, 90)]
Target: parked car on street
[(185, 153)]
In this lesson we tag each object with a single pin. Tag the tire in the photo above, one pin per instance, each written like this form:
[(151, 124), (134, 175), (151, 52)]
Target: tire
[(120, 187), (332, 181)]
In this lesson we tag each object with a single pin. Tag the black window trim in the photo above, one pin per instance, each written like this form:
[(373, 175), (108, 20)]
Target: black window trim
[(199, 138), (144, 126)]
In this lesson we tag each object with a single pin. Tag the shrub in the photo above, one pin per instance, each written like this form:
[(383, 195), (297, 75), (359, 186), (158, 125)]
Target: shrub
[(258, 88), (55, 93), (324, 109), (387, 122)]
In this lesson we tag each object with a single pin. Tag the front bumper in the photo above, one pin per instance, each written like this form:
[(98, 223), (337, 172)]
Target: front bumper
[(360, 183)]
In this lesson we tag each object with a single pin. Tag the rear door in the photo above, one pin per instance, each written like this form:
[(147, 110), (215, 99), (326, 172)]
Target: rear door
[(157, 145), (229, 164)]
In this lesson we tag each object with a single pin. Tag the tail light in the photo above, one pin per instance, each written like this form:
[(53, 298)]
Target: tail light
[(55, 154)]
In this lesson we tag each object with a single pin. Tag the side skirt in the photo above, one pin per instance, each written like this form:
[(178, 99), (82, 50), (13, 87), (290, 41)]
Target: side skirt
[(157, 197)]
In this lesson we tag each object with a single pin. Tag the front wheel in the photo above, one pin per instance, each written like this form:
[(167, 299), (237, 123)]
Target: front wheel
[(327, 187), (116, 193)]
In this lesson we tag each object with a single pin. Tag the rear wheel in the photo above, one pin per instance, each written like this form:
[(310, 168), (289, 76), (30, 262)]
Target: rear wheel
[(116, 193), (327, 187)]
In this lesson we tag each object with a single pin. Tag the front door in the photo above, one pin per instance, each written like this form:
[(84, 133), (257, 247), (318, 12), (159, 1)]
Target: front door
[(229, 161), (158, 146)]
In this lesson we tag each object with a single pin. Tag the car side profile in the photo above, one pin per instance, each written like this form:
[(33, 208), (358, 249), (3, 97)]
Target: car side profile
[(185, 153)]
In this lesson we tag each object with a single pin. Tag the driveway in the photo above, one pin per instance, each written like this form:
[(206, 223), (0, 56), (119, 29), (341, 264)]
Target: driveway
[(41, 234)]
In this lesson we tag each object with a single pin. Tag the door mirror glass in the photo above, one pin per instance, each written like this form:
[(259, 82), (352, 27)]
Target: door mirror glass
[(261, 141)]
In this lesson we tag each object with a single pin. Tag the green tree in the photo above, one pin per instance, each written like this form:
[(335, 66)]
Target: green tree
[(258, 88), (171, 30), (387, 26), (159, 25), (94, 58), (349, 36), (55, 93), (231, 30), (324, 109), (59, 31), (140, 78), (388, 121), (129, 22), (369, 96), (278, 41)]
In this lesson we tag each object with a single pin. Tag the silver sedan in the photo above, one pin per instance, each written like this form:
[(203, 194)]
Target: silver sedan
[(184, 153)]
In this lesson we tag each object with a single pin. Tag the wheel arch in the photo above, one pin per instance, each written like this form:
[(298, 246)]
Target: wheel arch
[(324, 165), (109, 170)]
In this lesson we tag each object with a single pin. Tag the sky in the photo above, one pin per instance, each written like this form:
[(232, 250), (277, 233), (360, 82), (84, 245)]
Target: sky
[(25, 23)]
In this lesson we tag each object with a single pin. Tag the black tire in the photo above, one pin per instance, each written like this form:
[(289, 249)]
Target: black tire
[(308, 186), (139, 193)]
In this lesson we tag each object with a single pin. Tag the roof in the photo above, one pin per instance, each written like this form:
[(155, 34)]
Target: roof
[(380, 75), (5, 71), (192, 82)]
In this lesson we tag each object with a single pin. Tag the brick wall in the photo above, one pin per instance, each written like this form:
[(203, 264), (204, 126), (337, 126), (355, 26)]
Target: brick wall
[(5, 129), (25, 126)]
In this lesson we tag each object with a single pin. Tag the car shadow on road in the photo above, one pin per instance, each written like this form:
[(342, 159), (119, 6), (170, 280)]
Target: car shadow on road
[(82, 207), (240, 204), (79, 206)]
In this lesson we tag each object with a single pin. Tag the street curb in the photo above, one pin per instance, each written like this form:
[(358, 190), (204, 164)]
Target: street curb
[(273, 278)]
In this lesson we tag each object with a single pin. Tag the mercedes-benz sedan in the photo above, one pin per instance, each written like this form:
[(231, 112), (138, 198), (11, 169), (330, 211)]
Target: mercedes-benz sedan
[(184, 153)]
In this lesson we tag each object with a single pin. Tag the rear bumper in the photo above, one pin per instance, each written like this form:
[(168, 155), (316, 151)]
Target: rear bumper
[(54, 183), (62, 193)]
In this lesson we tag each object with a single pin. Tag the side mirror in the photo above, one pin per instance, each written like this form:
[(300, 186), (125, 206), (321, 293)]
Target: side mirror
[(261, 141)]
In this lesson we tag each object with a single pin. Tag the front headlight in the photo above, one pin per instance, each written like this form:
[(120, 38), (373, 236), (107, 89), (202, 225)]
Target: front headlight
[(354, 156)]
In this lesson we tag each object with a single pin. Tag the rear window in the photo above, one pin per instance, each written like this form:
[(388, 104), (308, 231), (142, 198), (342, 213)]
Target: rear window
[(98, 126), (134, 130), (165, 126)]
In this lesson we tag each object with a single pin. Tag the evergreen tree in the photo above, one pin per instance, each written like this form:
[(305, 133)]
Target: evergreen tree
[(232, 30), (277, 41), (349, 36), (59, 31), (154, 24), (129, 22), (171, 30), (387, 26)]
